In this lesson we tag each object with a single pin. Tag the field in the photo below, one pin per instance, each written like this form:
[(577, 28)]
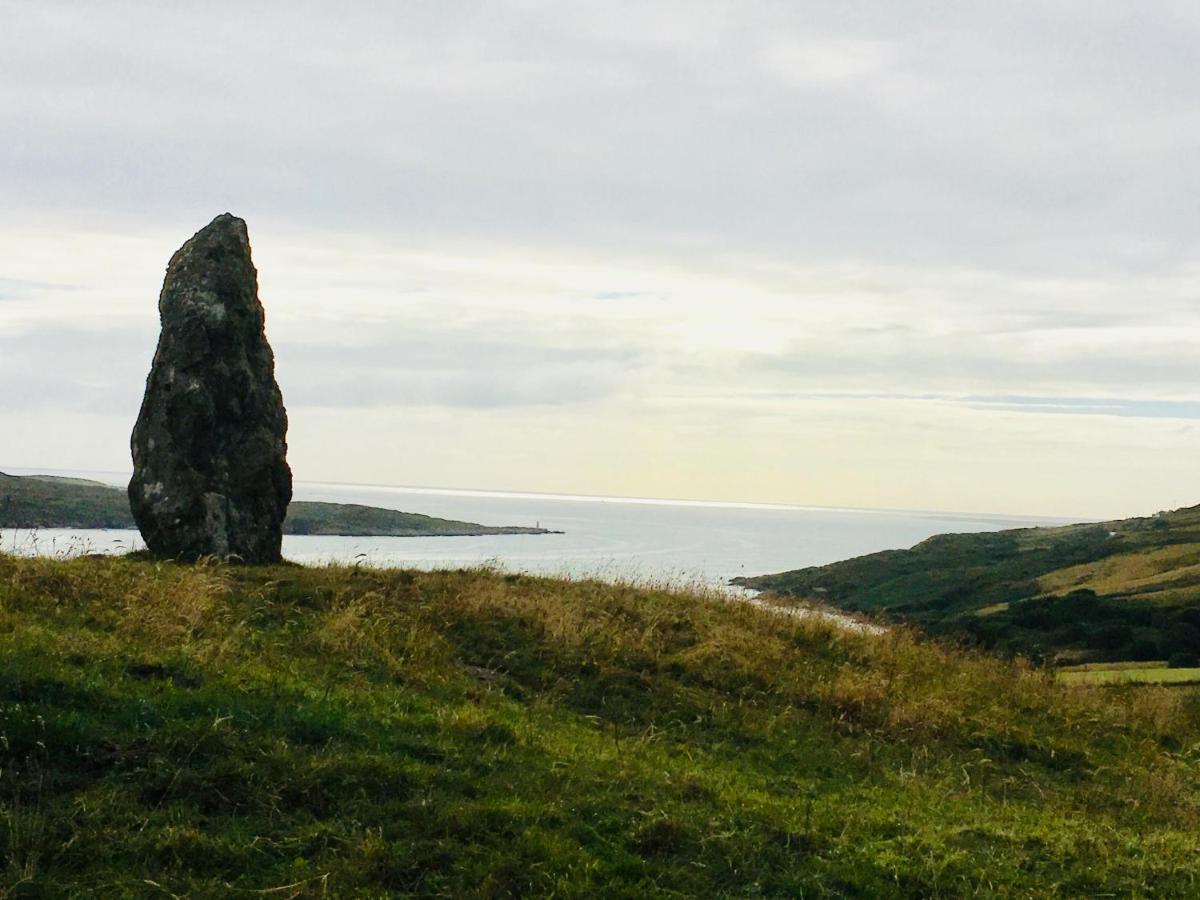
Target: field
[(1128, 674), (213, 731)]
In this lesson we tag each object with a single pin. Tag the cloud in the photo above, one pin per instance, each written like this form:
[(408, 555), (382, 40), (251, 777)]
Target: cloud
[(1058, 138), (962, 225), (460, 390), (1167, 369), (823, 61), (450, 367), (70, 369), (73, 369), (1122, 407), (23, 289), (1092, 406)]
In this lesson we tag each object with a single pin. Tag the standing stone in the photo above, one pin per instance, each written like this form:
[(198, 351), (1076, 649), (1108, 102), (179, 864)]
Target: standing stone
[(210, 474)]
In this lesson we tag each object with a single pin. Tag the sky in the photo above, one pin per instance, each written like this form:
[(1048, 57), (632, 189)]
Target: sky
[(930, 255)]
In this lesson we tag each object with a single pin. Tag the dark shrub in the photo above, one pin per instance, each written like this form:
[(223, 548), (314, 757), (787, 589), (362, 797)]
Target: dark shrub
[(1183, 637), (1183, 661), (1112, 636), (1145, 648)]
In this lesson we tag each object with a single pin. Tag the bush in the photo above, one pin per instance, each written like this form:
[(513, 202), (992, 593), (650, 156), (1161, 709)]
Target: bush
[(1183, 661), (1183, 637), (1144, 648), (1112, 636)]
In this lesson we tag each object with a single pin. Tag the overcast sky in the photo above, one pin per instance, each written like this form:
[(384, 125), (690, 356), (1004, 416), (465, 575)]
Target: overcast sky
[(922, 255)]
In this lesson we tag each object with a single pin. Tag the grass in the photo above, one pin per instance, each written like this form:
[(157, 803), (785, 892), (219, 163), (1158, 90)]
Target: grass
[(992, 610), (1151, 569), (1128, 674), (1096, 667), (213, 731)]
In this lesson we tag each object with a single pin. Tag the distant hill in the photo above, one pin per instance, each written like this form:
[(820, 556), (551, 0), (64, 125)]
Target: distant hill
[(1128, 589), (50, 501), (65, 479), (306, 517), (46, 501)]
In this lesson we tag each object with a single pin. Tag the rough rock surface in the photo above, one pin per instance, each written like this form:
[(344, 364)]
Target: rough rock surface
[(210, 475)]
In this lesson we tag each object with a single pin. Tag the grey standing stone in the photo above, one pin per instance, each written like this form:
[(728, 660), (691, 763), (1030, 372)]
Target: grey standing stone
[(210, 473)]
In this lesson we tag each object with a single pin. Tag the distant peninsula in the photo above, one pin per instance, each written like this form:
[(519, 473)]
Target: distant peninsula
[(52, 501), (1122, 590)]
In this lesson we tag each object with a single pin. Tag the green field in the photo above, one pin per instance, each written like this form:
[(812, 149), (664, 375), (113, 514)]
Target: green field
[(212, 731), (1133, 674)]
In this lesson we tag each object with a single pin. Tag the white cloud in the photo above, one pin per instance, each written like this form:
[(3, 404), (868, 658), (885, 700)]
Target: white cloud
[(819, 61), (891, 254)]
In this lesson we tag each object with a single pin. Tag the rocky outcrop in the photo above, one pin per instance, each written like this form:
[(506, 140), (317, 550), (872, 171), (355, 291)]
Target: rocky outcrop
[(210, 475)]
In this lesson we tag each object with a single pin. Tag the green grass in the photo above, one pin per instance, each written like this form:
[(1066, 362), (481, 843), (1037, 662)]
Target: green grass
[(1150, 570), (1153, 674), (210, 731)]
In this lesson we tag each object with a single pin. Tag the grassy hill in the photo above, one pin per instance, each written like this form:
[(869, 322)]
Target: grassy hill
[(47, 501), (40, 501), (212, 731), (1122, 590)]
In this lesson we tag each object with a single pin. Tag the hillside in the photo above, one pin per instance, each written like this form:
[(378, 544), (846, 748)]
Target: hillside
[(210, 731), (1122, 590), (47, 501)]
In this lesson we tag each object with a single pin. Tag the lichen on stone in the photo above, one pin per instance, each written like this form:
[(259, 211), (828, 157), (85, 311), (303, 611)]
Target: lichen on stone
[(210, 444)]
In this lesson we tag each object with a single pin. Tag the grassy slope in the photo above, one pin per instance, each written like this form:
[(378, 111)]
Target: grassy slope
[(211, 731), (1127, 589), (50, 502)]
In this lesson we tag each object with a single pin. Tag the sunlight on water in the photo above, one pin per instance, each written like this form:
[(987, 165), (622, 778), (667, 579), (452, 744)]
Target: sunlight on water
[(659, 541)]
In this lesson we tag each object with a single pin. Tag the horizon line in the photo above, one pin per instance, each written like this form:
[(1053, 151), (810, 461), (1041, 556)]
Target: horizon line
[(500, 493)]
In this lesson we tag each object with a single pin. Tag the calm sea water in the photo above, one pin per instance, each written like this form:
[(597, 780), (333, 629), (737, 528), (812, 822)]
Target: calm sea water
[(613, 538)]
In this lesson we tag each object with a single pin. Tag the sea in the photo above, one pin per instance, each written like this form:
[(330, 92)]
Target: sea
[(631, 539)]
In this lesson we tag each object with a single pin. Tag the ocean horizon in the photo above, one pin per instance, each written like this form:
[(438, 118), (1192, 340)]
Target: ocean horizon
[(640, 539)]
